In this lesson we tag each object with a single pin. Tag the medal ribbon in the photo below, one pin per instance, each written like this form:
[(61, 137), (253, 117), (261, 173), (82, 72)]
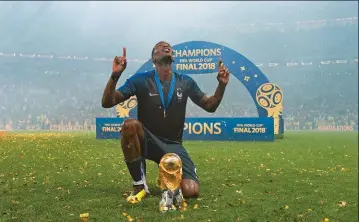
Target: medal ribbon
[(160, 91)]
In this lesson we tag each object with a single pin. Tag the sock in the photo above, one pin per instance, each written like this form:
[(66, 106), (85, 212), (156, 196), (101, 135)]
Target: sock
[(138, 173), (135, 169), (144, 167)]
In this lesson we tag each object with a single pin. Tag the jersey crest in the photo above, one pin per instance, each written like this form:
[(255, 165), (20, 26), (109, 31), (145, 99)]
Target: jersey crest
[(179, 94)]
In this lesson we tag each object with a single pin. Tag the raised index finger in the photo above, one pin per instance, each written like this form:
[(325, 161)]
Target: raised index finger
[(124, 52)]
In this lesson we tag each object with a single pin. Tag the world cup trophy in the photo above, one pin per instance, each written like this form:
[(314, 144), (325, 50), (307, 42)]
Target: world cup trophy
[(169, 180), (270, 97), (123, 109)]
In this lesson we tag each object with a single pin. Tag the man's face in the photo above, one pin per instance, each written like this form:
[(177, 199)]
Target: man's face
[(162, 49), (162, 56)]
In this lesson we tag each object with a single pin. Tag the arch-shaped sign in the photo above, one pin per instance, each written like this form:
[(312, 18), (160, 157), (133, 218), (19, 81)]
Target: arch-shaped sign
[(200, 57)]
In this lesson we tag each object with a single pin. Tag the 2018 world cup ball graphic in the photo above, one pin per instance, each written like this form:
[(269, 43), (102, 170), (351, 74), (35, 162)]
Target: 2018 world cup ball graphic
[(130, 103), (269, 96), (123, 109)]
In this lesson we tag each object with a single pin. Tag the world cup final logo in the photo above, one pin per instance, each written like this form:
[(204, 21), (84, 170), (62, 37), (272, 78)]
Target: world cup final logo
[(123, 109), (270, 97)]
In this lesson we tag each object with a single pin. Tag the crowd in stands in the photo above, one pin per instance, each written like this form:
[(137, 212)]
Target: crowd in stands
[(36, 93), (37, 100)]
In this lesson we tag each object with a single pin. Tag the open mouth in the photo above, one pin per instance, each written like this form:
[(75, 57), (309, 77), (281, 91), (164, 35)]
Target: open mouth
[(166, 50)]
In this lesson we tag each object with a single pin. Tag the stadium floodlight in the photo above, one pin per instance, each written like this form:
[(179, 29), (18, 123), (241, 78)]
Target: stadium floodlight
[(341, 61), (27, 56), (64, 57), (99, 59), (273, 64), (8, 54), (307, 63), (45, 56), (80, 58), (292, 64), (311, 22), (259, 64), (325, 62)]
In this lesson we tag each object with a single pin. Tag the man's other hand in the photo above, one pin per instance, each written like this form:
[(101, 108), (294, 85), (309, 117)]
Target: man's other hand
[(119, 63), (223, 73)]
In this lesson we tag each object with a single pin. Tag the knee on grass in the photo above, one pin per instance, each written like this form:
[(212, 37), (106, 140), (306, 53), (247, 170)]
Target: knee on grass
[(190, 188)]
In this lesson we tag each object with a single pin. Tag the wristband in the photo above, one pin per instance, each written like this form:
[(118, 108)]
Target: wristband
[(114, 78)]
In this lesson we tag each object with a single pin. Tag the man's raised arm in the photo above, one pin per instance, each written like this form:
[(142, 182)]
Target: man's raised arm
[(211, 103), (111, 96)]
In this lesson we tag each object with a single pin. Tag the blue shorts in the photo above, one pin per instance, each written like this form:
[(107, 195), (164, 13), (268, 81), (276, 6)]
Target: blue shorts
[(154, 148)]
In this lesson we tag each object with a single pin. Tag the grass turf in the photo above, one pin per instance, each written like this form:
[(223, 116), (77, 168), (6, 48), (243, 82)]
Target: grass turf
[(303, 177)]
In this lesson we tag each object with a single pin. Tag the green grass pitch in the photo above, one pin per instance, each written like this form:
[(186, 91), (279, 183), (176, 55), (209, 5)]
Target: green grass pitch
[(307, 176)]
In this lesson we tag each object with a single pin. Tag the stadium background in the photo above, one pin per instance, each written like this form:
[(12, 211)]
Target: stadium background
[(57, 77)]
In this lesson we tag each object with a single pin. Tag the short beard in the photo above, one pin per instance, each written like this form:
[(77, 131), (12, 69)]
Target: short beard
[(165, 60)]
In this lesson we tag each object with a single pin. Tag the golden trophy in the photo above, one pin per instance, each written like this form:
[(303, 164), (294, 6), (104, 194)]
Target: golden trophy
[(169, 180), (170, 172)]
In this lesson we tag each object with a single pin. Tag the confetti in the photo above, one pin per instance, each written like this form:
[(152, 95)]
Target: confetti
[(46, 180), (84, 217), (29, 171), (14, 202), (342, 203)]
